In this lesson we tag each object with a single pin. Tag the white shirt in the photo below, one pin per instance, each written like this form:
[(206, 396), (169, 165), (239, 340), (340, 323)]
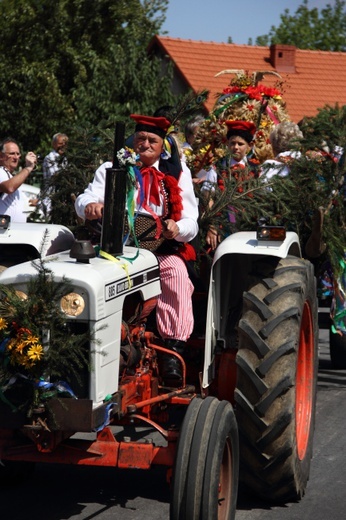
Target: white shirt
[(273, 167), (12, 203), (188, 227), (52, 163), (211, 178)]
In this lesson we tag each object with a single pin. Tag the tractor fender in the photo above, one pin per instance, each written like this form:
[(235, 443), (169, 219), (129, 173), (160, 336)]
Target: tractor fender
[(228, 280), (46, 239)]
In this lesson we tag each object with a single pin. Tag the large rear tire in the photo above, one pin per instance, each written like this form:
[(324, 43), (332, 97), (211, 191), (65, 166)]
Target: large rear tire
[(205, 476), (277, 365)]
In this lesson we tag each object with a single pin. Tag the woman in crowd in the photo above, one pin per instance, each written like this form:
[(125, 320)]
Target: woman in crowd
[(284, 139)]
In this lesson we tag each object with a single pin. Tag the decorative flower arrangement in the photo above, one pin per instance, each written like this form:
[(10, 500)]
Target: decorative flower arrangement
[(257, 92), (19, 346), (127, 157), (244, 99), (37, 348)]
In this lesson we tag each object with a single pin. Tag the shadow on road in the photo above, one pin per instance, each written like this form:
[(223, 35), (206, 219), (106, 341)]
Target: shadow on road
[(58, 492)]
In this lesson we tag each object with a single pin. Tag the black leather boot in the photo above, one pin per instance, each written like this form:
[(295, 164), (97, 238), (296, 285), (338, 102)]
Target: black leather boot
[(171, 369)]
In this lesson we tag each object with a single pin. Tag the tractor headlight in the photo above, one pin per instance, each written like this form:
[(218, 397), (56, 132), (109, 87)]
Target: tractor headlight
[(21, 295), (72, 304)]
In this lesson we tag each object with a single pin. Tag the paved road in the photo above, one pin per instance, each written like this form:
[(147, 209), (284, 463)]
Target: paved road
[(71, 493)]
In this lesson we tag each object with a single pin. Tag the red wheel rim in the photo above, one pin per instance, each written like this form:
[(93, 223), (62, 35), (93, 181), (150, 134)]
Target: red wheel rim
[(304, 382), (225, 483)]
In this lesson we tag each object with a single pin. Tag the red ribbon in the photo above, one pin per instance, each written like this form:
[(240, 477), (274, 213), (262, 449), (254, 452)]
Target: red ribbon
[(151, 184), (151, 187)]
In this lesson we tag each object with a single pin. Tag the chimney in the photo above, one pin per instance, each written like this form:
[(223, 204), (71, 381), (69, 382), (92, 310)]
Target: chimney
[(283, 57)]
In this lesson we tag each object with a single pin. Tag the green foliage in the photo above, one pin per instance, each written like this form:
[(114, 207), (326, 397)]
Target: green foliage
[(87, 150), (310, 28), (316, 181), (68, 63), (235, 203)]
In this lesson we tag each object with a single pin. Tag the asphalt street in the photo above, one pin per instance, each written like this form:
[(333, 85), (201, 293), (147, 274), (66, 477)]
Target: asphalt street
[(58, 492)]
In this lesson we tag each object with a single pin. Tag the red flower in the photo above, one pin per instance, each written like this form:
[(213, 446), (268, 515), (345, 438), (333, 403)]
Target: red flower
[(221, 184), (257, 92)]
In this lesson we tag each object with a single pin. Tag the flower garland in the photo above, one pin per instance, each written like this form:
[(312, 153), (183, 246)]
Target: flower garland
[(244, 99)]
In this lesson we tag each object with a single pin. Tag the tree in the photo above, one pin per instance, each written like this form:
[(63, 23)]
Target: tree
[(77, 62), (310, 29)]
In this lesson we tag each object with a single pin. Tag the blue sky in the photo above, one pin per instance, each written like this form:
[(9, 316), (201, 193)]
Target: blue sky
[(216, 20)]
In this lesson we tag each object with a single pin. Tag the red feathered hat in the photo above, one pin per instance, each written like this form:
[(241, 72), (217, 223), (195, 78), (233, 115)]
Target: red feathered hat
[(245, 129), (155, 125)]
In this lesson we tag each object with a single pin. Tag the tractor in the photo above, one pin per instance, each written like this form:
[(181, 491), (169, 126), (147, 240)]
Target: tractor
[(245, 410)]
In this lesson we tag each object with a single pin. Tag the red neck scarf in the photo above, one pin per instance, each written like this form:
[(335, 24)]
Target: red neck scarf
[(151, 184), (152, 187)]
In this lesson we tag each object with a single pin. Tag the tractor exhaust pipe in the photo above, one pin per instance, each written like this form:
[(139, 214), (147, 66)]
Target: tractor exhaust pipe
[(114, 201)]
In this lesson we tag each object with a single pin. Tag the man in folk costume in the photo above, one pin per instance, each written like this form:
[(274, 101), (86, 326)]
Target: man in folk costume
[(165, 193)]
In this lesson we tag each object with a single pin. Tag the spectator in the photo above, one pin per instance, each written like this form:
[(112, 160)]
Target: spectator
[(56, 158), (52, 163), (12, 198), (190, 131), (168, 197)]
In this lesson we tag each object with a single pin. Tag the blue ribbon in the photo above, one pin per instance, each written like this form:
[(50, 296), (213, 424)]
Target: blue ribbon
[(106, 418), (60, 386)]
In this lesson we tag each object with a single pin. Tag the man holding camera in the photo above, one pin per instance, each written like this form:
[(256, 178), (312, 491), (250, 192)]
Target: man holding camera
[(11, 196)]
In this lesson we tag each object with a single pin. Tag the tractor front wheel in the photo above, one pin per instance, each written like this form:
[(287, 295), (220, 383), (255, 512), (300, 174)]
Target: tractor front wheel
[(205, 476)]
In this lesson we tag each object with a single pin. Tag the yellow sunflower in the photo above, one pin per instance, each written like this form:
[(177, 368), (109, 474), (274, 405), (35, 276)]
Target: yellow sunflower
[(35, 352), (3, 324)]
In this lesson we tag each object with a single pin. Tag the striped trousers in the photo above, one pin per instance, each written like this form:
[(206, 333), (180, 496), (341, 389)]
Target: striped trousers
[(174, 313)]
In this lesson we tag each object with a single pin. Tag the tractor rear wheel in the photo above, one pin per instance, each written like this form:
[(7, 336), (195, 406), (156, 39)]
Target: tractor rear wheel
[(205, 476), (277, 364)]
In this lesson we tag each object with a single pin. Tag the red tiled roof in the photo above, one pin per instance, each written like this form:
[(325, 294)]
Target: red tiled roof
[(319, 78)]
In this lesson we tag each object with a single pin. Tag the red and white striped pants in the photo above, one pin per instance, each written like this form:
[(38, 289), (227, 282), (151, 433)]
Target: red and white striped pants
[(174, 313)]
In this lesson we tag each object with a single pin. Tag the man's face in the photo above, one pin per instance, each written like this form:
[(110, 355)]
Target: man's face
[(149, 147), (238, 147), (9, 158), (60, 145)]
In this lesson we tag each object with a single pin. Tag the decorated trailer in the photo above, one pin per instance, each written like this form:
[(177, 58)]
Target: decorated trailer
[(245, 409)]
